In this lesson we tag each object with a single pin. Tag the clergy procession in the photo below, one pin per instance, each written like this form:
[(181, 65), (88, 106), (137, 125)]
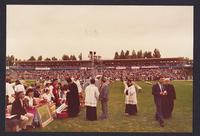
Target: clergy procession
[(67, 97)]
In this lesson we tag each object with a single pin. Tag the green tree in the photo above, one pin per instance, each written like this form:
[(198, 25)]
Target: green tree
[(126, 56), (72, 57), (122, 55), (156, 53), (139, 54), (80, 56), (133, 55), (8, 61), (116, 55), (145, 54), (32, 58), (39, 58), (65, 57), (47, 59), (54, 58), (149, 54)]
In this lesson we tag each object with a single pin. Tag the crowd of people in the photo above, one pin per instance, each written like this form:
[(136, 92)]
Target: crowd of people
[(113, 74), (24, 99), (58, 87)]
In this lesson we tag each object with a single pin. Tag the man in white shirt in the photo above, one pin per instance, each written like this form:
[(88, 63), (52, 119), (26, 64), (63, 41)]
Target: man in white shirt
[(91, 97), (47, 80), (77, 82), (10, 93), (19, 87), (51, 90)]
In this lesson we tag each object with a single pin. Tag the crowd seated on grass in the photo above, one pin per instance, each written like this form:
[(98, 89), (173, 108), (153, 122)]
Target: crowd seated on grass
[(23, 99)]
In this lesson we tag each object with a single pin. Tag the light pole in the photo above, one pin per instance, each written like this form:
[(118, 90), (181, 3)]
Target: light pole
[(92, 56)]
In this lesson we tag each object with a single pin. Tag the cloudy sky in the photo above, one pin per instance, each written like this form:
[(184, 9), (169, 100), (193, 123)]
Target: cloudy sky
[(56, 30)]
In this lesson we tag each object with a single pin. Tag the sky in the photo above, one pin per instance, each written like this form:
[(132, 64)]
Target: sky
[(54, 30)]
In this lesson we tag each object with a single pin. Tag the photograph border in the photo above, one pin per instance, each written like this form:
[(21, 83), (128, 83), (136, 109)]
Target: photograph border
[(196, 58)]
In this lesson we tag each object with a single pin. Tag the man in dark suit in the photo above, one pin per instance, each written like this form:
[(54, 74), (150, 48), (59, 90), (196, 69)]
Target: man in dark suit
[(18, 108), (103, 97), (73, 99), (158, 93), (171, 96)]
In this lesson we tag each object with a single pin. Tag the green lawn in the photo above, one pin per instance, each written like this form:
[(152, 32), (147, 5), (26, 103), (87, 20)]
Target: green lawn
[(143, 122)]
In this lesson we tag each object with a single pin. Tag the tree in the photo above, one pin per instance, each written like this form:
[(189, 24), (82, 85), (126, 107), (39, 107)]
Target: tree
[(47, 59), (133, 55), (10, 60), (145, 54), (65, 57), (116, 55), (126, 56), (139, 54), (72, 57), (156, 53), (54, 58), (149, 54), (32, 58), (39, 58), (80, 56), (122, 55)]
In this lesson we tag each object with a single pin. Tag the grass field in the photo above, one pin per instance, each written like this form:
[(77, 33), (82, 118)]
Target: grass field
[(143, 122)]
